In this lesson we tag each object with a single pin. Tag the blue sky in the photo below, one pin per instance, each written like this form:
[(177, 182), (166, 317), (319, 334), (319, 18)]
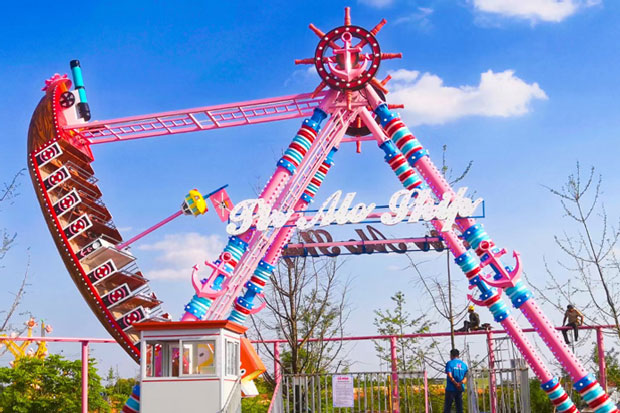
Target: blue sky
[(524, 89)]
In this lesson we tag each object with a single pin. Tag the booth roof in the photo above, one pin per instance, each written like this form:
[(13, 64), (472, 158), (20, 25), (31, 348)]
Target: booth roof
[(190, 325)]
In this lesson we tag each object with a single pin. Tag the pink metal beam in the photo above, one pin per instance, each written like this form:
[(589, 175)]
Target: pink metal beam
[(60, 339), (395, 393), (149, 230), (84, 376), (363, 242), (424, 335), (203, 118), (492, 384), (602, 368)]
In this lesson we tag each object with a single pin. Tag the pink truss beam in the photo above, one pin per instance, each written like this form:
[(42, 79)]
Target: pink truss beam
[(203, 118)]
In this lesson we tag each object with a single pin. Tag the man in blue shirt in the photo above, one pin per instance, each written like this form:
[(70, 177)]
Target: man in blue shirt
[(456, 371)]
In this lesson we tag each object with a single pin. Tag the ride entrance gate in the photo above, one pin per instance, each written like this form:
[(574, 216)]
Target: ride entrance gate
[(347, 59)]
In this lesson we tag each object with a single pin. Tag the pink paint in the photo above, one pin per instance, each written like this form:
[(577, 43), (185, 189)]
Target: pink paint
[(492, 384), (600, 341), (189, 317), (267, 245), (149, 230), (428, 335), (553, 340), (426, 410), (363, 242), (533, 313), (203, 118), (394, 359), (84, 376), (375, 129), (526, 349)]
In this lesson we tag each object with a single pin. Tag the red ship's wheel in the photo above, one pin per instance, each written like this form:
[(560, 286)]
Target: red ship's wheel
[(347, 57)]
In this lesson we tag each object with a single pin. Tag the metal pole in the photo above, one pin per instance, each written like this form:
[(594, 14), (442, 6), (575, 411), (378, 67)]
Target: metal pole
[(84, 376), (602, 368), (425, 391), (492, 384), (450, 299), (276, 362), (149, 230), (395, 395)]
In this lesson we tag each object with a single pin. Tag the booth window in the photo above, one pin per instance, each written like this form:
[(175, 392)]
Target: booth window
[(164, 358), (232, 358), (200, 357)]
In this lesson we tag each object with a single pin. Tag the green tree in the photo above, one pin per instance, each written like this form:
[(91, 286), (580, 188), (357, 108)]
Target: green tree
[(539, 401), (400, 322), (49, 385), (118, 389), (612, 366), (260, 403)]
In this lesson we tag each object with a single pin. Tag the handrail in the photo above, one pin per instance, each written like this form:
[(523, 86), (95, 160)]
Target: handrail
[(274, 397), (236, 390)]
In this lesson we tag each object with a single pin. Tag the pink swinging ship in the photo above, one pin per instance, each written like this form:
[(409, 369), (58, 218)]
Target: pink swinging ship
[(347, 106)]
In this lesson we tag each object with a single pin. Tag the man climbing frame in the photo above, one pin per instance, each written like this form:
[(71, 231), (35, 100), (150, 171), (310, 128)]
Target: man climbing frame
[(473, 323), (575, 319)]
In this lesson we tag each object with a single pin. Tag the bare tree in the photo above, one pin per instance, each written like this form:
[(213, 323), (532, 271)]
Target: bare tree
[(440, 293), (592, 260), (8, 193), (305, 300)]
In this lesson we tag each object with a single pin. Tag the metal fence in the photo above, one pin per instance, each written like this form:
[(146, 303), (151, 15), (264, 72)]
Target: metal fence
[(372, 392), (376, 393), (511, 394)]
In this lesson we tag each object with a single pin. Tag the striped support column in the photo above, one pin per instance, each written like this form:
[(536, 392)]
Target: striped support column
[(522, 299), (133, 403), (197, 308), (413, 151), (405, 173), (245, 304)]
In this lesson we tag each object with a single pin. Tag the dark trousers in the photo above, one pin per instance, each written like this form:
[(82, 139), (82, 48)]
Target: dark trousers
[(467, 326), (457, 397), (575, 330)]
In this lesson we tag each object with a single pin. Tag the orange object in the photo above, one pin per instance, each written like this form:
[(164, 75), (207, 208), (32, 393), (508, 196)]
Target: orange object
[(251, 364)]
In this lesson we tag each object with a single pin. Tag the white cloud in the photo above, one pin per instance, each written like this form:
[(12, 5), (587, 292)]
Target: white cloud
[(534, 10), (428, 101), (377, 3), (303, 76), (179, 252), (420, 19)]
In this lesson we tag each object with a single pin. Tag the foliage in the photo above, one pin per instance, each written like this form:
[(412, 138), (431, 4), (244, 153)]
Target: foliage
[(49, 385), (118, 389), (8, 193), (399, 322), (260, 403), (539, 401), (612, 366)]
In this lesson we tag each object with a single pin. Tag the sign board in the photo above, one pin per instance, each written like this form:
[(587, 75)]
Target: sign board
[(410, 205), (342, 390)]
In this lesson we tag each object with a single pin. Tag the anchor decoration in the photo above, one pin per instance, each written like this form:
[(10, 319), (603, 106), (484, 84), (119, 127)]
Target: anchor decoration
[(504, 277), (486, 293), (205, 287)]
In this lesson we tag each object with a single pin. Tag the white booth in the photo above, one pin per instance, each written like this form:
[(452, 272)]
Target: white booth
[(190, 366)]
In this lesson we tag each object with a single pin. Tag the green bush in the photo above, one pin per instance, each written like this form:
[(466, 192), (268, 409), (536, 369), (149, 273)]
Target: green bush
[(49, 385)]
